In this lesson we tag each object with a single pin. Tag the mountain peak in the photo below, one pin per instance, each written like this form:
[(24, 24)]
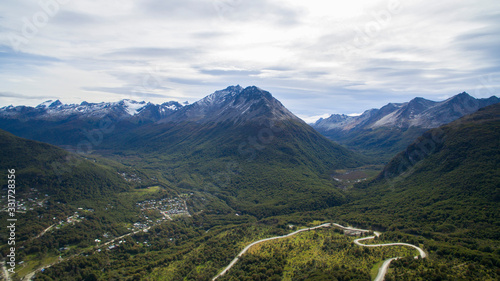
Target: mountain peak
[(253, 92), (233, 104), (460, 98), (132, 107), (45, 104), (55, 104), (126, 108), (221, 95)]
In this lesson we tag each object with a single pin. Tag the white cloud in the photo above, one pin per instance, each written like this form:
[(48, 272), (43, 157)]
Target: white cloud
[(340, 57)]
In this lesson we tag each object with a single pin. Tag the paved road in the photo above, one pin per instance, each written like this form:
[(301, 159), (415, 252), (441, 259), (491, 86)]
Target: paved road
[(385, 266), (420, 251), (382, 270), (235, 260)]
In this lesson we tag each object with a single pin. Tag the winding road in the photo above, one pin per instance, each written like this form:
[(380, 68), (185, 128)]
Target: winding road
[(383, 269), (381, 272), (233, 262)]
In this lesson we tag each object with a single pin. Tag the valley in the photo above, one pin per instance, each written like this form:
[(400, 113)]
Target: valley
[(178, 196), (348, 178)]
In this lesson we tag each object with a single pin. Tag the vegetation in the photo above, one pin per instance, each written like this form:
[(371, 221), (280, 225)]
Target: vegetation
[(441, 193), (322, 254)]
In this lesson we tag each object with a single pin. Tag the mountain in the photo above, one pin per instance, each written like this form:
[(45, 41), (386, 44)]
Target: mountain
[(385, 131), (239, 144), (68, 125), (55, 110), (236, 105), (42, 169), (245, 147), (444, 190)]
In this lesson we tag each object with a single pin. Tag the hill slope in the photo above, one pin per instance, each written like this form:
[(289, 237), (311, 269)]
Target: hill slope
[(54, 171), (451, 170), (445, 187)]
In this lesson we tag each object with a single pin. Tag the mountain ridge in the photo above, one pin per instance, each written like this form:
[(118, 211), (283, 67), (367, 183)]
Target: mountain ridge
[(384, 132), (234, 104), (417, 108), (55, 110), (240, 145)]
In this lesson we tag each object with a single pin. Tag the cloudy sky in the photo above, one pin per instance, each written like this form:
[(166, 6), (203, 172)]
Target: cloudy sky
[(315, 56)]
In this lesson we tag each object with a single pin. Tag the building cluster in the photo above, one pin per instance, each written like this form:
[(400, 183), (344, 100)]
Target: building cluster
[(70, 220), (33, 200), (131, 177), (167, 206)]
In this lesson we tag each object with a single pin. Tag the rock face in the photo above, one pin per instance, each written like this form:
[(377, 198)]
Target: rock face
[(418, 112), (394, 126), (234, 104)]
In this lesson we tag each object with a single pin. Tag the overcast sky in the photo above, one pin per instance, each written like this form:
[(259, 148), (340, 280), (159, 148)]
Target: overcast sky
[(316, 56)]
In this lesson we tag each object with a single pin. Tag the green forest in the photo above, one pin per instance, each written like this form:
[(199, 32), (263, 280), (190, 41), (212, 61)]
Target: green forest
[(145, 217)]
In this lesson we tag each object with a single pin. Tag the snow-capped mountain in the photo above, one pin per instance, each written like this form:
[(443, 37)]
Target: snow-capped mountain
[(125, 109), (418, 112), (74, 124), (233, 104), (391, 128)]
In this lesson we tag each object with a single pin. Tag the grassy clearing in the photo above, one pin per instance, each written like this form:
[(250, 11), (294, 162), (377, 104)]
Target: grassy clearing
[(375, 268), (147, 190), (33, 263)]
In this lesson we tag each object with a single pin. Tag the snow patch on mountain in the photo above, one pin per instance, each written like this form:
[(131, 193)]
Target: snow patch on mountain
[(56, 110), (133, 107), (418, 112)]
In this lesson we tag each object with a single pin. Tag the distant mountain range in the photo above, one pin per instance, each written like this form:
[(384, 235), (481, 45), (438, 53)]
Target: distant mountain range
[(245, 167), (240, 143), (446, 180), (233, 103), (379, 133), (55, 110), (385, 131)]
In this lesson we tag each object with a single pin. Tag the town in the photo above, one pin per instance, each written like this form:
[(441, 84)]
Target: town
[(168, 207)]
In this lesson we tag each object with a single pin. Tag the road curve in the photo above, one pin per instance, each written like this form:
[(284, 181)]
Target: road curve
[(235, 260), (381, 272), (420, 251), (383, 269)]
